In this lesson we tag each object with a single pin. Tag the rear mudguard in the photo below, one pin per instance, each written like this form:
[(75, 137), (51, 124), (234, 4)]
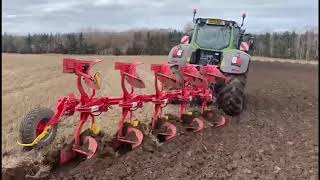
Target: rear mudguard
[(229, 63), (185, 56)]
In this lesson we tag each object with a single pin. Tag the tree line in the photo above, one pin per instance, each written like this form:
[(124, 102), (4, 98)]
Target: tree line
[(152, 42), (289, 45)]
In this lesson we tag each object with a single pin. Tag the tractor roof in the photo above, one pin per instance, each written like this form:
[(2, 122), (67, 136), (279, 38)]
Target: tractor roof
[(219, 22)]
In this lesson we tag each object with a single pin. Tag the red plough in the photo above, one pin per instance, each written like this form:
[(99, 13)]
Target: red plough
[(194, 84), (129, 103)]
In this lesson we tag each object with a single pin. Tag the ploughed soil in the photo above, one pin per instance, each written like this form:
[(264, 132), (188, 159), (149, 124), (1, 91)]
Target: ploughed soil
[(276, 137)]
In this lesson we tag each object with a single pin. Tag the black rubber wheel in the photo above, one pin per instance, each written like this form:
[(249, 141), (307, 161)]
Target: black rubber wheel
[(231, 96), (32, 124)]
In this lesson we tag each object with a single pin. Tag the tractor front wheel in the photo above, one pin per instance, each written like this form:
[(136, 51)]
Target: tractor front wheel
[(33, 124), (231, 96)]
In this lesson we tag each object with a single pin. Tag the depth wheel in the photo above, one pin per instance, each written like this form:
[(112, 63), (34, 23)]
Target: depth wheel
[(34, 124)]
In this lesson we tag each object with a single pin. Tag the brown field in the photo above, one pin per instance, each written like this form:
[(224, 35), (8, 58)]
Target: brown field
[(37, 80), (276, 137)]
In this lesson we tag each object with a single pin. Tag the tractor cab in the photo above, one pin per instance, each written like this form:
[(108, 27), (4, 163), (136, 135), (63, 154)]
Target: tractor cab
[(211, 37), (214, 34), (219, 34)]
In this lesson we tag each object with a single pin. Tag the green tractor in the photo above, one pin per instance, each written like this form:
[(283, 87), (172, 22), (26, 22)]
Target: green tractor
[(222, 43)]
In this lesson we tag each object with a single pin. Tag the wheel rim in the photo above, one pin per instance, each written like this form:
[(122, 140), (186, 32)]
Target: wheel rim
[(40, 127)]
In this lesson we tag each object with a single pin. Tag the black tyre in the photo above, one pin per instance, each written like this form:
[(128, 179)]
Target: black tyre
[(231, 96), (33, 124)]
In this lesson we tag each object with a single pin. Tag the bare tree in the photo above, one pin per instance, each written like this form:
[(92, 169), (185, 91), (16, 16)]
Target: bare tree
[(188, 27)]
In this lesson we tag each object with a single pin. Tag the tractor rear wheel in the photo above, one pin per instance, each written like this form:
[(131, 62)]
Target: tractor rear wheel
[(231, 96), (33, 124)]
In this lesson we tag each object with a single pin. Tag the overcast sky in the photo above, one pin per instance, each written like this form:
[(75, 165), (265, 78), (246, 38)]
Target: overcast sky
[(23, 16)]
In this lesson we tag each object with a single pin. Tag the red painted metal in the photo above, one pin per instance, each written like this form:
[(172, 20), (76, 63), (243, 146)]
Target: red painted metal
[(67, 154), (244, 46), (40, 127), (199, 125), (194, 83), (164, 76), (222, 121), (197, 85), (138, 135), (212, 72), (129, 72), (80, 68), (68, 105), (92, 147), (130, 101), (171, 131), (177, 53), (185, 39)]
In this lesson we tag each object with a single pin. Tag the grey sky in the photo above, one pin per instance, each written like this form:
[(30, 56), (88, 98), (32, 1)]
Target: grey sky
[(23, 16)]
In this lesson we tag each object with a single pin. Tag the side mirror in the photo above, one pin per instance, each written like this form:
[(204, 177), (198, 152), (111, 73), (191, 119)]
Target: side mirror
[(185, 40)]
